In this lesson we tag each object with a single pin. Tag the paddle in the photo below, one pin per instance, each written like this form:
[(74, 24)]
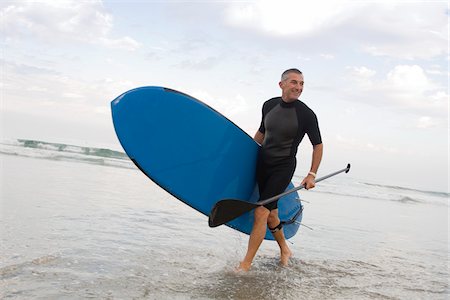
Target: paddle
[(229, 209)]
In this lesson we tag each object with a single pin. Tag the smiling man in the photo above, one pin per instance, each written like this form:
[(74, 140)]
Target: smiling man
[(285, 121)]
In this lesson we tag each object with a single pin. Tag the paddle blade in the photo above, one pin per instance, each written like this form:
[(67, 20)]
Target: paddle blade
[(227, 210)]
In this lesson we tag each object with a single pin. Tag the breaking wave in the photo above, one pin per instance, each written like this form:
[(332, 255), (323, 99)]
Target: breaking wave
[(374, 191), (112, 158), (400, 188), (57, 151)]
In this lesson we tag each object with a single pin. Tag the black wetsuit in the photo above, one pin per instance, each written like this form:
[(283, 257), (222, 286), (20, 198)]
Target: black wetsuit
[(284, 125)]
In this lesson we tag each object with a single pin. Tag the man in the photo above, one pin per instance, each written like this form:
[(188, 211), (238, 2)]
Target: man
[(285, 121)]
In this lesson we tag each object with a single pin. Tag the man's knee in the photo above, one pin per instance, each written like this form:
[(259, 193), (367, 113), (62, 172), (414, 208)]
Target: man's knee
[(272, 219), (261, 213)]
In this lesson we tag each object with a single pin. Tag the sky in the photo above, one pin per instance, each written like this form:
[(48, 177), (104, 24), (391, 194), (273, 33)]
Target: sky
[(376, 73)]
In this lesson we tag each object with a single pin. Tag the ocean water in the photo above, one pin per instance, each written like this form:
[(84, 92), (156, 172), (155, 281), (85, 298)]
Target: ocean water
[(79, 222)]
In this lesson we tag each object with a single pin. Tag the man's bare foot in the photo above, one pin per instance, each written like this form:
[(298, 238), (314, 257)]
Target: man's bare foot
[(243, 266), (284, 258)]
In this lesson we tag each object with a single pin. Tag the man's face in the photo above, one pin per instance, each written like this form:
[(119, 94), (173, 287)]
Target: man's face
[(292, 87)]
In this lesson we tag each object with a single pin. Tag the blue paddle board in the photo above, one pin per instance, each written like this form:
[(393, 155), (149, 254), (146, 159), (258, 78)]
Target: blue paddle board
[(194, 153)]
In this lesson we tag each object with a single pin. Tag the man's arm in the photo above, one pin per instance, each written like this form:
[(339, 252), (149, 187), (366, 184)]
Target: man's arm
[(316, 159), (259, 137)]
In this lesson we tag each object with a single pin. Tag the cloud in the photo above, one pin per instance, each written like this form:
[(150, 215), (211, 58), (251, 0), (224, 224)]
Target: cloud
[(229, 107), (405, 87), (409, 80), (41, 91), (401, 30), (62, 21), (364, 146), (404, 30), (125, 43), (198, 63), (21, 68), (286, 18), (426, 122), (362, 77), (327, 56), (363, 72)]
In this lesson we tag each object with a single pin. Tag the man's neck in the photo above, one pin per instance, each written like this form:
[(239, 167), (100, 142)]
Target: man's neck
[(286, 100)]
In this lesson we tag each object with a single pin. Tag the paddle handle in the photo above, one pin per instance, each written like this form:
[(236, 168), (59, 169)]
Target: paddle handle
[(269, 200)]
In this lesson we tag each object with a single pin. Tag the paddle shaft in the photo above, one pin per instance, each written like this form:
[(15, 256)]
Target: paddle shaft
[(269, 200), (229, 209)]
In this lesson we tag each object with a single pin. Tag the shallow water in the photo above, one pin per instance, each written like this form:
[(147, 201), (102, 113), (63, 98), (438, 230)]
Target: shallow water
[(73, 229)]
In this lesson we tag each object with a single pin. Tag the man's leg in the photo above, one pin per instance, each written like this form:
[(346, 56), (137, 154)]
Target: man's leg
[(256, 236), (273, 221)]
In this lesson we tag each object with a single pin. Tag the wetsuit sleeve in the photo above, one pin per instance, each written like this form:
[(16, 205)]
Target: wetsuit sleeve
[(313, 130)]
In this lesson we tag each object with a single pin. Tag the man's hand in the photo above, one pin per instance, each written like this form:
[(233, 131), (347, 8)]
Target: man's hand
[(309, 182)]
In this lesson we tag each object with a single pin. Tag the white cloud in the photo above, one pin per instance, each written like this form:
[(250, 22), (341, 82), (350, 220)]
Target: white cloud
[(103, 110), (125, 43), (362, 77), (401, 30), (327, 56), (72, 96), (362, 71), (36, 88), (286, 17), (350, 111), (198, 63), (405, 87), (46, 93), (229, 107), (426, 122), (409, 80), (62, 21), (405, 30), (364, 146), (239, 105)]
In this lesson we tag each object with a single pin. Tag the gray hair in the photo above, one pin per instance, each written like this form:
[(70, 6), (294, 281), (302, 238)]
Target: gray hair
[(287, 72)]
